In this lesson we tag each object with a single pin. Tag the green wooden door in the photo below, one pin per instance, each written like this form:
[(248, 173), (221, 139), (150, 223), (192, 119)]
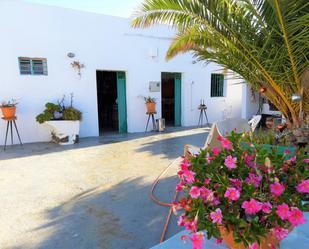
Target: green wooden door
[(122, 102), (177, 77)]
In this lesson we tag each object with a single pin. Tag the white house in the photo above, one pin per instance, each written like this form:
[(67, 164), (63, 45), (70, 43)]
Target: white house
[(115, 56)]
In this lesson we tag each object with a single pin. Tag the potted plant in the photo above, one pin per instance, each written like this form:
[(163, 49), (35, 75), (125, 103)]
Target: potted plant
[(8, 109), (64, 121), (150, 104), (243, 193)]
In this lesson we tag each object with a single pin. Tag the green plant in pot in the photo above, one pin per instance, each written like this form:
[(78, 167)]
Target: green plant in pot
[(59, 112), (248, 196), (8, 109)]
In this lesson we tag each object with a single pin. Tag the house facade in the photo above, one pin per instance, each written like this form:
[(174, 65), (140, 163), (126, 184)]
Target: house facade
[(119, 65)]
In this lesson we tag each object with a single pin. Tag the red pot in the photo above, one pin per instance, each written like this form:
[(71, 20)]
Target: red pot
[(265, 243), (151, 107), (8, 111)]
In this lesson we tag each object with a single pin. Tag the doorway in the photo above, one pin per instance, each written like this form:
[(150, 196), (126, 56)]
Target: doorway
[(111, 98), (171, 98)]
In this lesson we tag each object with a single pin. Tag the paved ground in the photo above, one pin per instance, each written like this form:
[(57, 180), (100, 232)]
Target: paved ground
[(88, 196)]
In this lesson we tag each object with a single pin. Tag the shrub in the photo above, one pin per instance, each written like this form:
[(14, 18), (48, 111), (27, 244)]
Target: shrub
[(244, 187)]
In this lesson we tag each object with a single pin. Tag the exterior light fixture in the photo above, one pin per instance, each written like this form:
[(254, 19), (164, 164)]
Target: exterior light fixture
[(71, 55), (263, 89)]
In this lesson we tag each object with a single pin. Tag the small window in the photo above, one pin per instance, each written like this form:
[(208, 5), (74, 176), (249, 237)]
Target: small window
[(32, 66), (217, 85)]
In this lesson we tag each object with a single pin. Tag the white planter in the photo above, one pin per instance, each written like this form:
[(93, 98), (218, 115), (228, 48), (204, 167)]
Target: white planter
[(64, 132)]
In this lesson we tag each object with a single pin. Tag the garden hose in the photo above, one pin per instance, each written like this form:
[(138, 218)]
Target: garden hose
[(165, 204)]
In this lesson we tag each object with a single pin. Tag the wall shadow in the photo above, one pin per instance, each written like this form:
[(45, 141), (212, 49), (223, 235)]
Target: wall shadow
[(121, 217)]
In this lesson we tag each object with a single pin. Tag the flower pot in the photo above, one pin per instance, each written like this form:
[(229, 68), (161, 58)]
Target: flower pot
[(268, 242), (8, 112), (64, 132), (151, 107)]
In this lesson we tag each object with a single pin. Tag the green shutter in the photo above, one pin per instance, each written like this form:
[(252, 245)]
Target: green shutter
[(28, 66), (177, 77), (122, 102)]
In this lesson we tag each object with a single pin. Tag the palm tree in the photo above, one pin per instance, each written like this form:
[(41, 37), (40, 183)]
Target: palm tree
[(266, 42)]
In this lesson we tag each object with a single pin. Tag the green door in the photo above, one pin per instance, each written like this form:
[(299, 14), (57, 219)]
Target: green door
[(177, 77), (122, 102)]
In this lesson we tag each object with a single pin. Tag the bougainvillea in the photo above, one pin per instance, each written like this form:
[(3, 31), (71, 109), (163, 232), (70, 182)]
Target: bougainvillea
[(245, 187)]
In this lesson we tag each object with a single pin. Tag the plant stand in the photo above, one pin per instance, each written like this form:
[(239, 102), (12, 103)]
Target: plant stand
[(10, 122), (203, 113), (151, 115)]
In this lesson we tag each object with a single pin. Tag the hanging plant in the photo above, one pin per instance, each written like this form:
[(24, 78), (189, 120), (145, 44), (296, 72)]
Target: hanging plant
[(78, 66)]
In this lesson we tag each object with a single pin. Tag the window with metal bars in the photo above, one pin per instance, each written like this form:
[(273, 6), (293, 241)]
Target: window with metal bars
[(32, 66), (217, 85)]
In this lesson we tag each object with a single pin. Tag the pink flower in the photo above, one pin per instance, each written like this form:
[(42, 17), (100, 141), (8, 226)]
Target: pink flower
[(188, 176), (287, 152), (197, 240), (266, 207), (181, 221), (215, 151), (283, 211), (254, 180), (216, 201), (216, 216), (253, 246), (237, 183), (191, 225), (306, 160), (303, 187), (252, 207), (207, 181), (296, 217), (293, 159), (185, 164), (248, 160), (230, 162), (232, 194), (219, 241), (225, 143), (280, 233), (179, 187), (195, 192), (277, 189), (206, 194)]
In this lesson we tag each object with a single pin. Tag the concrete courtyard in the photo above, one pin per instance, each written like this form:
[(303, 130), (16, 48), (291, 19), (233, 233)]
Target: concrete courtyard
[(90, 195)]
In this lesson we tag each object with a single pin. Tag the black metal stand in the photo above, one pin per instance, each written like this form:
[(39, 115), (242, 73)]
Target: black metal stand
[(151, 115), (201, 119), (9, 125)]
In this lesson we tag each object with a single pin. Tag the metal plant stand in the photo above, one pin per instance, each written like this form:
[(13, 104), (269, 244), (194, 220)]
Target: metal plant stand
[(151, 115), (203, 114), (10, 123)]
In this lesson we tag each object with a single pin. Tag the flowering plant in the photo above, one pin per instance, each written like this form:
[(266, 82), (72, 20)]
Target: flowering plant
[(245, 188)]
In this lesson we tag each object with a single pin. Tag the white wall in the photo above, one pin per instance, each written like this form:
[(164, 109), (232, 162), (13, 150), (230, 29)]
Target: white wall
[(250, 104), (101, 43)]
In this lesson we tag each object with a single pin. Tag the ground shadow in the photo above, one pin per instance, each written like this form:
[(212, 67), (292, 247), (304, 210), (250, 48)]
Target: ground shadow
[(121, 217), (33, 149), (173, 147)]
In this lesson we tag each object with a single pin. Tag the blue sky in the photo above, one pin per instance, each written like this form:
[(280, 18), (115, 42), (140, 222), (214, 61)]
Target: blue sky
[(122, 8)]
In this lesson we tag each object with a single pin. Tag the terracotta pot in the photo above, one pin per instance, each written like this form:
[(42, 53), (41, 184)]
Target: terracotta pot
[(266, 243), (8, 112), (151, 107)]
